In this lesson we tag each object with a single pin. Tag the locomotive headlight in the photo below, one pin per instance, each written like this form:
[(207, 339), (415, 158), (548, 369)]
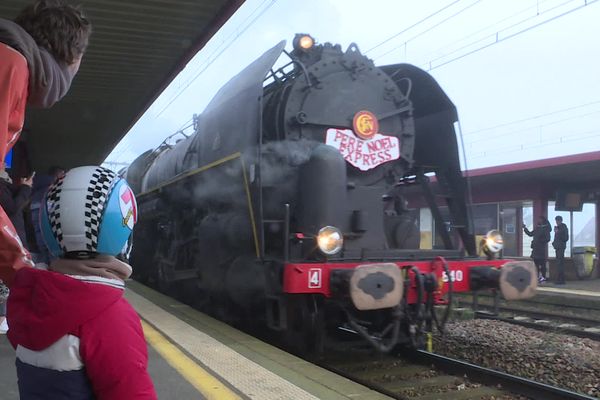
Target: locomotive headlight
[(493, 242), (330, 240), (303, 42)]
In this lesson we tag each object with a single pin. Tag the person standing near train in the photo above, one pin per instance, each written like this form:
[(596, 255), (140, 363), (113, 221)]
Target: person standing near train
[(539, 245), (41, 52), (561, 237)]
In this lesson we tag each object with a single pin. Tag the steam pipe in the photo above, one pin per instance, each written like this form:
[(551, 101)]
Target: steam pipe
[(302, 67), (286, 234), (435, 211), (261, 224)]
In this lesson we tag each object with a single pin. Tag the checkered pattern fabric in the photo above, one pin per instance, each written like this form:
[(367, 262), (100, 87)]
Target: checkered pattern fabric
[(99, 189), (53, 209)]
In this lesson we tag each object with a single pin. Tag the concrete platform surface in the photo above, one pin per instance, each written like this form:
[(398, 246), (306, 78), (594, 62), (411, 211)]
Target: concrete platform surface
[(587, 287), (193, 356), (168, 383), (248, 367)]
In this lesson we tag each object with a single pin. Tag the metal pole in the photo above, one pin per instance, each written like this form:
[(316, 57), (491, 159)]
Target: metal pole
[(286, 234), (571, 234), (496, 302)]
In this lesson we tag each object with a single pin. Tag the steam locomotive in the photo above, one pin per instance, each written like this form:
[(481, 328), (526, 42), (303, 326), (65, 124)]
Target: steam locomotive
[(288, 205)]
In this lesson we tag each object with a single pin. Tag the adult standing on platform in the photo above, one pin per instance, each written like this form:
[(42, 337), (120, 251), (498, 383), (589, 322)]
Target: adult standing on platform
[(561, 237), (13, 199), (41, 52), (539, 244)]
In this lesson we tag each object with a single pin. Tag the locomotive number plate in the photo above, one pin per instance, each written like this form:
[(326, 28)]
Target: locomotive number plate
[(364, 154)]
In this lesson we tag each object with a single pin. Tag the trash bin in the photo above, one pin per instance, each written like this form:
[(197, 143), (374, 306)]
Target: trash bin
[(583, 261)]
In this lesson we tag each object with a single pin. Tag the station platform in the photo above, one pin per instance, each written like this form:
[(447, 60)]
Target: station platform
[(193, 356), (581, 293), (587, 287)]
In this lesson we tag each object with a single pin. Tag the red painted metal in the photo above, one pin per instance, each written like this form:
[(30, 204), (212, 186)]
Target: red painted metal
[(314, 278)]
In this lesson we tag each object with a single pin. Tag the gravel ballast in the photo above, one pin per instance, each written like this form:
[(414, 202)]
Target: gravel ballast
[(560, 360)]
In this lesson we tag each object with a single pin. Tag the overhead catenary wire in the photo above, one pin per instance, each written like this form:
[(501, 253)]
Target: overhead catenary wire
[(210, 61), (438, 24), (186, 125), (225, 40), (204, 66), (472, 34), (395, 35), (514, 132), (429, 66), (495, 35), (497, 151), (216, 57), (534, 117)]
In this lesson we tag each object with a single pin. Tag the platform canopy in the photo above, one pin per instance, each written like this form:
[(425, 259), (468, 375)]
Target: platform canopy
[(136, 49)]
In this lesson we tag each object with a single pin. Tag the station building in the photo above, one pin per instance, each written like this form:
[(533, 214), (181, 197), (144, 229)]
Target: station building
[(507, 196)]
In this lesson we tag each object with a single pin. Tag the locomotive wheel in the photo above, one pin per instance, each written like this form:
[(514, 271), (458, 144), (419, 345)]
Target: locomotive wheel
[(305, 333)]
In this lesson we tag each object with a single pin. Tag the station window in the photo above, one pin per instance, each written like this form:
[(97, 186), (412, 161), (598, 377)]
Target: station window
[(485, 218), (426, 228), (584, 226), (510, 220), (529, 222)]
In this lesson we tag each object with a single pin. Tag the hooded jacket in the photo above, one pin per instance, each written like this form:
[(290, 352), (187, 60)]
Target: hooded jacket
[(561, 237), (541, 237), (49, 80), (76, 338), (29, 74)]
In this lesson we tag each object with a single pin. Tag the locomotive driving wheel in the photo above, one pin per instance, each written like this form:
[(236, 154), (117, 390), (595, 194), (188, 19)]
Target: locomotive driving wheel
[(305, 333)]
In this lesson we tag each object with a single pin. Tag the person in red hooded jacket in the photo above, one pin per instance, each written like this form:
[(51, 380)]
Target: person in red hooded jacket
[(41, 52), (75, 335)]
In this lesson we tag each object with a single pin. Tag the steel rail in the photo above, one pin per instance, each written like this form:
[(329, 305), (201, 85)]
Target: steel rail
[(541, 327), (365, 382), (538, 314), (483, 375), (515, 384)]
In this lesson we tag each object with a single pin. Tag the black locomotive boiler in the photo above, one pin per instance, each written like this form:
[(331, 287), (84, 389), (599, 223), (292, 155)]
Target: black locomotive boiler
[(288, 204)]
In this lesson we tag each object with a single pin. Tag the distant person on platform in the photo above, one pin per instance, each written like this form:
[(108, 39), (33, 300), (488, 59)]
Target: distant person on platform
[(14, 199), (539, 245), (561, 237), (40, 53), (41, 183), (76, 337)]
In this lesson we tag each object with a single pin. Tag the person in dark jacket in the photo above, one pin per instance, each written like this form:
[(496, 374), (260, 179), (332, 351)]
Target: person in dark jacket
[(13, 200), (76, 337), (40, 53), (561, 237), (539, 244)]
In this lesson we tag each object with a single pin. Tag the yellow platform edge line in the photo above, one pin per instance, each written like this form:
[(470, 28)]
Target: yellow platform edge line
[(209, 386)]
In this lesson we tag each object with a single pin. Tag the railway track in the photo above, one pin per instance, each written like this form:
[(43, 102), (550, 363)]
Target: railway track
[(427, 376), (547, 321)]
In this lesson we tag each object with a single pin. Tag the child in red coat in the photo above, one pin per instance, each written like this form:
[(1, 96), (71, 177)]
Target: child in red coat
[(75, 335)]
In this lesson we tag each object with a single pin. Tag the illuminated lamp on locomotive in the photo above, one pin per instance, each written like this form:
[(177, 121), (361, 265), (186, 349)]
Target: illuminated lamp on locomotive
[(294, 209)]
